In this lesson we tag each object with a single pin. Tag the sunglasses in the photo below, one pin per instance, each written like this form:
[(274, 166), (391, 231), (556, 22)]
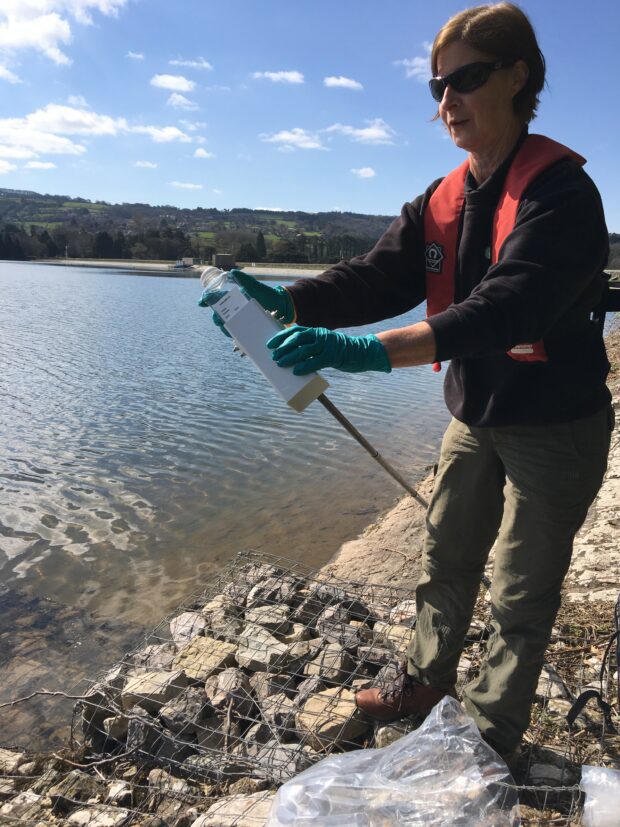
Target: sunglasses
[(466, 79)]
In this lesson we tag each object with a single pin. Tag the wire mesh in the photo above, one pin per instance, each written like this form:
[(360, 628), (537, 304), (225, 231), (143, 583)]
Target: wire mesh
[(252, 680)]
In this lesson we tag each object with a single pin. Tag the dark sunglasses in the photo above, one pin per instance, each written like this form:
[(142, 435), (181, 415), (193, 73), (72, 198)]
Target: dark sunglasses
[(466, 79)]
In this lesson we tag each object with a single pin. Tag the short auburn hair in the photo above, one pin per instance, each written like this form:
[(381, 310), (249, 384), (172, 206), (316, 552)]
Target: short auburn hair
[(502, 31)]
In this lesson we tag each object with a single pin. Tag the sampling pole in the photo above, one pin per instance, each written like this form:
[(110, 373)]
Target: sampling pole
[(337, 414)]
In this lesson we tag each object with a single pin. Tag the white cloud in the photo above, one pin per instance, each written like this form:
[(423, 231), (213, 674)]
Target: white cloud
[(217, 192), (199, 63), (43, 25), (377, 132), (176, 83), (364, 172), (181, 102), (162, 134), (5, 167), (344, 83), (77, 100), (418, 67), (40, 165), (183, 186), (135, 55), (44, 131), (16, 152), (145, 165), (202, 153), (280, 77), (68, 120), (192, 126), (10, 77), (294, 138)]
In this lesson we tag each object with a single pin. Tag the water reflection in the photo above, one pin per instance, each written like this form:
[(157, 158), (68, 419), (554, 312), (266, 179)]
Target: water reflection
[(139, 452)]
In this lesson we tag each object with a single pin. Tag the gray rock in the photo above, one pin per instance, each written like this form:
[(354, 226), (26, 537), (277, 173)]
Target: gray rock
[(333, 664), (230, 690), (26, 807), (10, 760), (99, 816), (182, 713), (8, 787), (147, 738), (218, 733), (396, 634), (551, 685), (222, 625), (120, 793), (234, 811), (296, 633), (152, 690), (216, 604), (165, 781), (308, 687), (375, 656), (264, 684), (203, 657), (247, 786), (246, 578), (158, 657), (274, 591), (273, 618), (404, 613), (259, 650), (330, 718), (278, 762), (116, 727), (186, 627), (386, 735), (387, 673), (278, 712), (253, 739), (214, 767), (75, 787)]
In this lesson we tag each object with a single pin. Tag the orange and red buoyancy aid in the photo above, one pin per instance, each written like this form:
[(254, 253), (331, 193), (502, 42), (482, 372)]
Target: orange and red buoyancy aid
[(441, 225)]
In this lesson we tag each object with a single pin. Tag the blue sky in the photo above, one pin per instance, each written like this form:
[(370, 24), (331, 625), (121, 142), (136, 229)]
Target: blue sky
[(286, 105)]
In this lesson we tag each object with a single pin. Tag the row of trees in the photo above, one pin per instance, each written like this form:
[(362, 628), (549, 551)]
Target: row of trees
[(18, 244), (167, 243)]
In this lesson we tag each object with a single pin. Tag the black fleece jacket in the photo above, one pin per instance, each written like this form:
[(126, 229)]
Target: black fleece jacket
[(546, 283)]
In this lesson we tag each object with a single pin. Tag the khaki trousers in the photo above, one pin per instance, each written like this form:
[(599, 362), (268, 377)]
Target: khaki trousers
[(529, 488)]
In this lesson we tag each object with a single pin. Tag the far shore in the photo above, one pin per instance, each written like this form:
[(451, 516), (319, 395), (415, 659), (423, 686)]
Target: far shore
[(262, 271)]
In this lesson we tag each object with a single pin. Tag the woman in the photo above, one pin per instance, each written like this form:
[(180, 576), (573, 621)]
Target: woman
[(509, 251)]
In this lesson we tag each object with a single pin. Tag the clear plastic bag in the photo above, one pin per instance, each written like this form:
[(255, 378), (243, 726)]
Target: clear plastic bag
[(602, 788), (441, 775)]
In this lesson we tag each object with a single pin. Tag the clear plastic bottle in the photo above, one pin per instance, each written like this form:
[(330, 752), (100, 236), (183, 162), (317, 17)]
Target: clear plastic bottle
[(212, 278)]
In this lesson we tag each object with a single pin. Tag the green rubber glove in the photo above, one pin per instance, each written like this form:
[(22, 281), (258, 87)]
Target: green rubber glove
[(276, 299), (313, 348), (210, 297)]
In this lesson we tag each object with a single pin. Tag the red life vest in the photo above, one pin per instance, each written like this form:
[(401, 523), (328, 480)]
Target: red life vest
[(441, 224)]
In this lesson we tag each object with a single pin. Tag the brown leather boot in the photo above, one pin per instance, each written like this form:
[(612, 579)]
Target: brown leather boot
[(400, 698)]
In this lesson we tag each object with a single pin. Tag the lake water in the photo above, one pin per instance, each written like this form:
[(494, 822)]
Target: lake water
[(139, 452)]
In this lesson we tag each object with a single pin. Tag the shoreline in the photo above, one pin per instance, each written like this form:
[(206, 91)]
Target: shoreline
[(269, 271)]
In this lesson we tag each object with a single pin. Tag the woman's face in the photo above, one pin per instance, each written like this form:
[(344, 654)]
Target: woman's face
[(478, 121)]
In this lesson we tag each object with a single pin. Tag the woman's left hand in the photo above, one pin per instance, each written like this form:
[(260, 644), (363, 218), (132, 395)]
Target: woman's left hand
[(307, 349)]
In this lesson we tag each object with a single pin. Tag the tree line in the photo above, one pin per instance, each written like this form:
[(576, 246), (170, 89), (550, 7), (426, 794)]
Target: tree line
[(169, 244)]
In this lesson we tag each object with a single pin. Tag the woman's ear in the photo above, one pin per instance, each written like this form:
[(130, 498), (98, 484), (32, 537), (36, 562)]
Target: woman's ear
[(520, 74)]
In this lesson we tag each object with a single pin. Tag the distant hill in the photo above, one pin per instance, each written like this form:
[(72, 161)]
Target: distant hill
[(33, 225), (40, 224)]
